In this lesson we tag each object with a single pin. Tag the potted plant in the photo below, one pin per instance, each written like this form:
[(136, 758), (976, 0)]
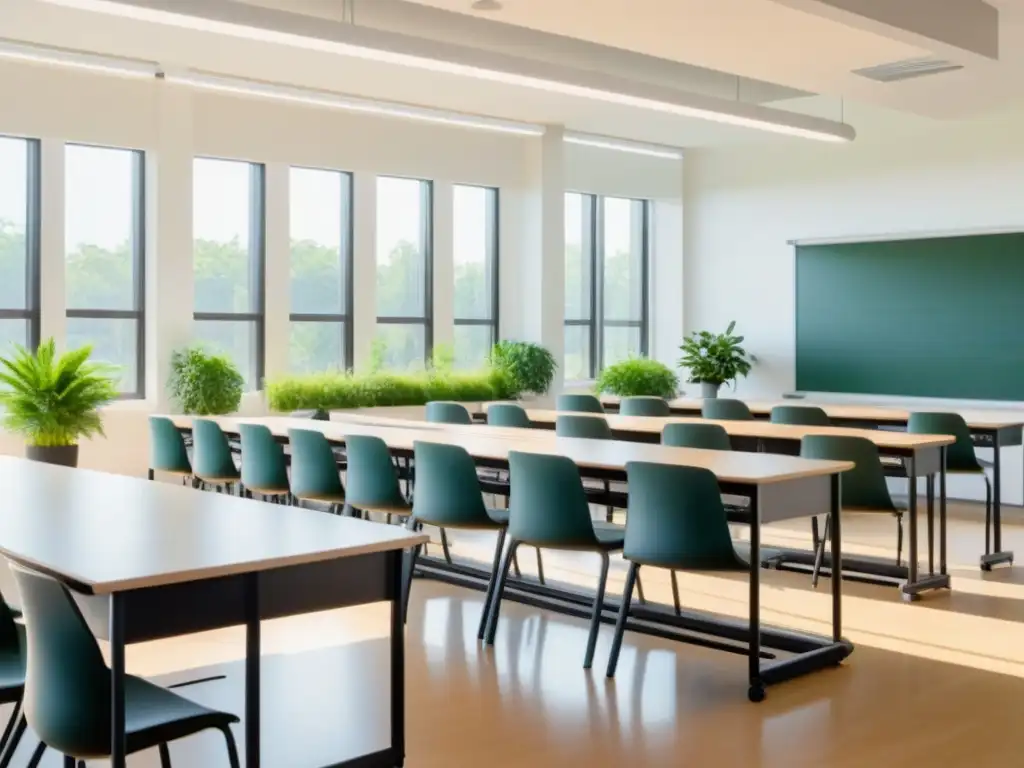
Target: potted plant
[(529, 367), (714, 359), (54, 401), (204, 382), (638, 377)]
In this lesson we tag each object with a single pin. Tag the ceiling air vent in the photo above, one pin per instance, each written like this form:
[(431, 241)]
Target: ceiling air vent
[(907, 69)]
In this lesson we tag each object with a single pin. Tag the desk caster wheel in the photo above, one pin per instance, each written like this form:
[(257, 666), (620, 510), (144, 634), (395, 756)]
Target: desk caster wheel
[(756, 693)]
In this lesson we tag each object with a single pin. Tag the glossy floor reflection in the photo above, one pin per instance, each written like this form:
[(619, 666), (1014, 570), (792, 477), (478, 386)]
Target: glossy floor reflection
[(937, 683)]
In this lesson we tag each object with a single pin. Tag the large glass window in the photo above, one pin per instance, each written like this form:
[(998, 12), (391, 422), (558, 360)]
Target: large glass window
[(475, 230), (606, 256), (404, 274), (19, 243), (228, 231), (104, 247), (321, 270)]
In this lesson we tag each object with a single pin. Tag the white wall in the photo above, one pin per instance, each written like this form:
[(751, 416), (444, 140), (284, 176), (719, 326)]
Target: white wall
[(743, 205)]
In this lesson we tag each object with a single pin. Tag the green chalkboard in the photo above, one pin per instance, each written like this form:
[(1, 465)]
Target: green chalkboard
[(935, 317)]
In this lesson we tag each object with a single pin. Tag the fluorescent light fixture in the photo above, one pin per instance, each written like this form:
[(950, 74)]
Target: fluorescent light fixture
[(76, 60), (284, 28), (620, 145), (348, 104)]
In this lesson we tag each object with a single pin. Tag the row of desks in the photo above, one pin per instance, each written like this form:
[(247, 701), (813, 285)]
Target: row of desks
[(995, 429)]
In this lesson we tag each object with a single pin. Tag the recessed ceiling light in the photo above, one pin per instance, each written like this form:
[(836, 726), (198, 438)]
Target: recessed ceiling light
[(487, 5)]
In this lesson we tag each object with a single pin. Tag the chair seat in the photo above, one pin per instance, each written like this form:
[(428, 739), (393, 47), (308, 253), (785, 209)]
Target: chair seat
[(282, 491), (609, 536), (498, 518), (219, 480), (383, 509), (325, 498), (155, 715)]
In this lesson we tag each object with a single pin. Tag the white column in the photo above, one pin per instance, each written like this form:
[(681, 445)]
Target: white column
[(666, 281), (52, 299), (169, 246), (444, 264), (277, 291), (364, 267)]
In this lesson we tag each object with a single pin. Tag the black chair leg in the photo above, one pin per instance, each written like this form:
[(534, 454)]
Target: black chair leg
[(814, 534), (595, 616), (499, 589), (899, 540), (232, 747), (515, 565), (12, 746), (620, 623), (11, 722), (69, 761), (410, 567), (36, 756), (675, 593), (819, 556), (988, 515), (540, 568), (609, 511), (489, 594), (640, 591), (444, 547), (165, 756)]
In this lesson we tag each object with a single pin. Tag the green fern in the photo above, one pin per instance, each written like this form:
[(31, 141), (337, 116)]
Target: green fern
[(55, 400)]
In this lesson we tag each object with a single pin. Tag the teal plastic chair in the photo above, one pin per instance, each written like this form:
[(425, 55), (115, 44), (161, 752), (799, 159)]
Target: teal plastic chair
[(548, 508), (167, 452), (863, 487), (12, 681), (373, 484), (264, 467), (712, 437), (508, 415), (724, 409), (800, 415), (439, 412), (644, 406), (589, 427), (447, 494), (212, 462), (67, 687), (315, 475), (675, 520), (581, 403), (960, 456)]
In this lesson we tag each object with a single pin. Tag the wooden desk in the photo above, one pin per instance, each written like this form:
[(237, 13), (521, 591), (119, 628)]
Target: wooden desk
[(780, 487), (993, 429), (147, 560)]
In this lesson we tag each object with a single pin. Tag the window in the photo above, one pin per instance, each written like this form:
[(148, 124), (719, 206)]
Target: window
[(19, 243), (606, 256), (104, 251), (404, 242), (476, 274), (228, 253), (321, 270)]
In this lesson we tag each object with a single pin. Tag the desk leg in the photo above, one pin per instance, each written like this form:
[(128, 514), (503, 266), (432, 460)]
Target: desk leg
[(118, 753), (915, 584), (942, 510), (756, 692), (930, 482), (837, 558), (907, 588), (252, 671), (397, 660), (997, 555)]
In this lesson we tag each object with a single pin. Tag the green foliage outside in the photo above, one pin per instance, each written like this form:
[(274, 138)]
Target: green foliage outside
[(204, 382), (715, 358), (530, 368), (52, 399), (638, 377)]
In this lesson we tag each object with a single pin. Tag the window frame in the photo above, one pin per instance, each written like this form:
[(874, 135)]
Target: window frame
[(427, 235), (257, 265), (347, 270), (33, 244), (138, 270), (593, 252), (492, 259)]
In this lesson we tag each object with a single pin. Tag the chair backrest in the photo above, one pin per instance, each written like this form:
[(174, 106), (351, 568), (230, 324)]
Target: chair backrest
[(167, 451), (547, 503), (864, 485), (724, 409), (371, 477), (675, 518), (67, 683), (507, 415), (581, 403), (447, 489), (644, 406), (696, 435), (960, 455), (211, 453), (800, 415), (440, 412), (314, 466), (263, 461), (575, 425)]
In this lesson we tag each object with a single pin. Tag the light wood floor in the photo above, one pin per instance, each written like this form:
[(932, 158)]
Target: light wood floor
[(938, 683)]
